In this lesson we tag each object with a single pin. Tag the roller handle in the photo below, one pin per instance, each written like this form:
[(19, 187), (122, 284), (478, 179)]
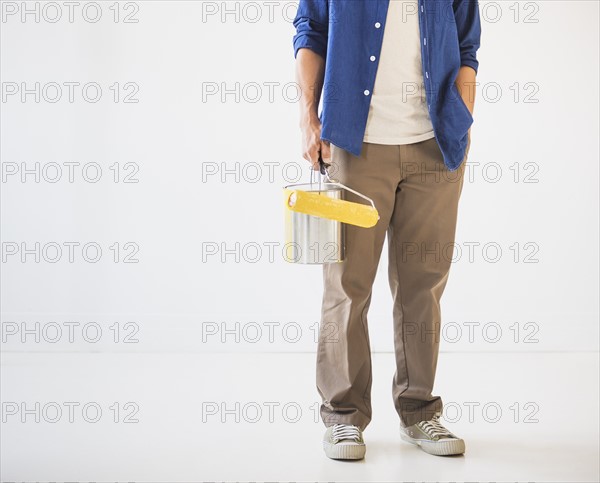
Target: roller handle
[(323, 165), (323, 170)]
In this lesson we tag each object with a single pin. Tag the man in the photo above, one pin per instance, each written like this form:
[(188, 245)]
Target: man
[(396, 78)]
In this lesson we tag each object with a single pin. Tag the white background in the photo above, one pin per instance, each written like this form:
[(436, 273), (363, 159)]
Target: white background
[(182, 328), (532, 189)]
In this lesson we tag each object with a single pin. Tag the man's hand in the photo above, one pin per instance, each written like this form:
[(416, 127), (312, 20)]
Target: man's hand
[(465, 83), (312, 144)]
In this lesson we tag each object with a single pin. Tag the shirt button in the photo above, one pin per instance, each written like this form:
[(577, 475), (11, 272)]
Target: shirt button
[(425, 41), (377, 25), (366, 93), (427, 74), (372, 58)]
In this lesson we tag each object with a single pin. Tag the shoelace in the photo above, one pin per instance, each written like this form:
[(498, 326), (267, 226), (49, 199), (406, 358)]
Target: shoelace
[(345, 431), (433, 428)]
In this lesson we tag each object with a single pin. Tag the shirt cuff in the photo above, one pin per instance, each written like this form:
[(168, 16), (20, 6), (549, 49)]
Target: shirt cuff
[(308, 42), (471, 63)]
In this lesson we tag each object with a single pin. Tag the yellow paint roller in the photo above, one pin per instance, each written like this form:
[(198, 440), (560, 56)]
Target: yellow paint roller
[(318, 203)]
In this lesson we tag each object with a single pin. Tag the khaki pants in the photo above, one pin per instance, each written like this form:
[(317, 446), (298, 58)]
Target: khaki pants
[(417, 199)]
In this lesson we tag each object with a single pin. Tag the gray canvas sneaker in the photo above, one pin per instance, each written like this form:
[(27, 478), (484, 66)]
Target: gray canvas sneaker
[(344, 442), (432, 437)]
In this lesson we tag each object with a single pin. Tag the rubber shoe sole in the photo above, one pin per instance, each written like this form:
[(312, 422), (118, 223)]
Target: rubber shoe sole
[(446, 447), (344, 451)]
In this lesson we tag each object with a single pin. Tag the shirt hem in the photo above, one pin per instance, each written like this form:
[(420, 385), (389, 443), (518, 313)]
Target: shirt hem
[(410, 140)]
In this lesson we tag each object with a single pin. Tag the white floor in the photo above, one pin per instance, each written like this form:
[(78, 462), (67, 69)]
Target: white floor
[(534, 417)]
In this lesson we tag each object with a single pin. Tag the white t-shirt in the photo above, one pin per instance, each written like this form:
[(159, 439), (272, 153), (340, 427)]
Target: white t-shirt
[(398, 113)]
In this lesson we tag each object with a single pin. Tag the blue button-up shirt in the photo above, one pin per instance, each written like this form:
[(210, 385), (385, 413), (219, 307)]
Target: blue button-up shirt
[(346, 33)]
